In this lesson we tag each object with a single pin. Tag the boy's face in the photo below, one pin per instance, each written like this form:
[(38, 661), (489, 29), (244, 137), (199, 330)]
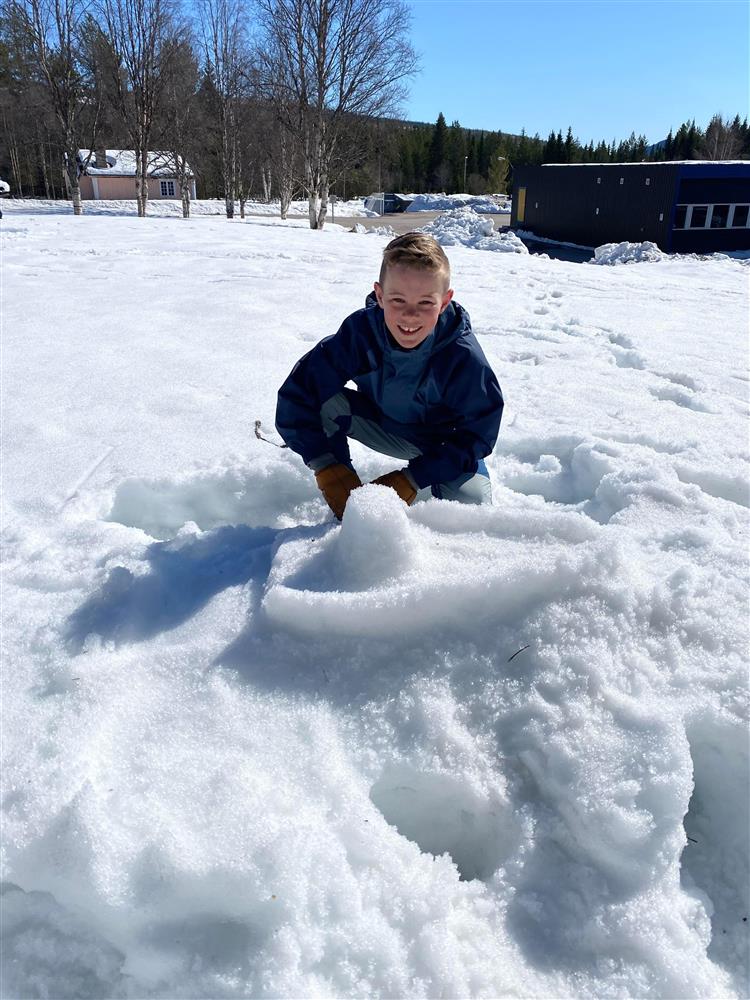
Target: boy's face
[(412, 300)]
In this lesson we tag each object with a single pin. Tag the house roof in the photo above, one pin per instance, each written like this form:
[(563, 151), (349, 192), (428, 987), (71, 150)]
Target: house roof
[(122, 163)]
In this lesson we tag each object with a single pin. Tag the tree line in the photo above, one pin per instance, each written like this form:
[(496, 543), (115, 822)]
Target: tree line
[(267, 99), (273, 98)]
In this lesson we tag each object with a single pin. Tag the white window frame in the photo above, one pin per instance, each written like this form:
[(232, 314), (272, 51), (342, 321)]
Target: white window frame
[(689, 216), (164, 187), (709, 212), (732, 208)]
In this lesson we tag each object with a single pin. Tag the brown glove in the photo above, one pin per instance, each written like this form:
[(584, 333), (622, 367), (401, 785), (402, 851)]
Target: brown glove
[(399, 482), (336, 482)]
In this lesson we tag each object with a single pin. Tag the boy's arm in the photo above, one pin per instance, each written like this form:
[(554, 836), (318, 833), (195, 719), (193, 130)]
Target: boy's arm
[(316, 377), (473, 393)]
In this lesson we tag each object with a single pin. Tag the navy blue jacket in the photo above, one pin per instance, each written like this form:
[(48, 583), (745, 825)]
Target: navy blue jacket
[(451, 410)]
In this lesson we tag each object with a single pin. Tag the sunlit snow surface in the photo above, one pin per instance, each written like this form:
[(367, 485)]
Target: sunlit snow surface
[(250, 752)]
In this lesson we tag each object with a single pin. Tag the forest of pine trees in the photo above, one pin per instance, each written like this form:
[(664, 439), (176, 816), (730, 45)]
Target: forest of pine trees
[(449, 158)]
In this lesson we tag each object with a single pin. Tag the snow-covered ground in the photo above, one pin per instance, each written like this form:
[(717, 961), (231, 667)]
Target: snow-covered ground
[(431, 752), (173, 208)]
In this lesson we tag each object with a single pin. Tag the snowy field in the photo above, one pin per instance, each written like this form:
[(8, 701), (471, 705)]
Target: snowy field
[(351, 208), (431, 752), (173, 208)]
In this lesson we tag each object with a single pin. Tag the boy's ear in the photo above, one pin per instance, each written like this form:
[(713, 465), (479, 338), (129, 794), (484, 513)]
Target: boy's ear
[(446, 299), (378, 288)]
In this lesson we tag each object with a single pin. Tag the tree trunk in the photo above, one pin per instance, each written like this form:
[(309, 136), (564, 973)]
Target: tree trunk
[(265, 179), (323, 210), (43, 164), (71, 179)]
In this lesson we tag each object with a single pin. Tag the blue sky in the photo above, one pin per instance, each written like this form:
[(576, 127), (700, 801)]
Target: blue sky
[(605, 67)]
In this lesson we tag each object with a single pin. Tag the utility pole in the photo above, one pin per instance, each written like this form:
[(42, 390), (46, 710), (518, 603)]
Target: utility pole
[(466, 160)]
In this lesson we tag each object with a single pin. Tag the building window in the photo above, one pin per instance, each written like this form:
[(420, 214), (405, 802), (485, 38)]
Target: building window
[(719, 216), (622, 180), (712, 217), (648, 181), (167, 189), (597, 211), (598, 180), (661, 216)]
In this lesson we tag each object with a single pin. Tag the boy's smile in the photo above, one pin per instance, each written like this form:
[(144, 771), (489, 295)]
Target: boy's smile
[(412, 300)]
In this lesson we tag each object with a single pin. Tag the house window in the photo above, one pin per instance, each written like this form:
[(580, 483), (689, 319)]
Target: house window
[(167, 189), (739, 217)]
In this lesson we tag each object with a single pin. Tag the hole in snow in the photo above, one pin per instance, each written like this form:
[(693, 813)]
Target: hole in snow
[(715, 862), (445, 816)]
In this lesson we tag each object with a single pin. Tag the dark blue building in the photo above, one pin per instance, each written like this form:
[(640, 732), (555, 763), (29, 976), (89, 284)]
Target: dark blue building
[(683, 207)]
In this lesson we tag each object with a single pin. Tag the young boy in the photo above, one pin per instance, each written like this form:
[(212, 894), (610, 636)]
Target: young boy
[(425, 392)]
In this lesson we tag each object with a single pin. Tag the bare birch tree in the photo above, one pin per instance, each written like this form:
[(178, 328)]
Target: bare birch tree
[(325, 61), (54, 30), (179, 107), (224, 29), (722, 141), (138, 33)]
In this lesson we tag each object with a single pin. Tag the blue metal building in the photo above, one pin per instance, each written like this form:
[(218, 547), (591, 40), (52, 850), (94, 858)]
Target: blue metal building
[(683, 207)]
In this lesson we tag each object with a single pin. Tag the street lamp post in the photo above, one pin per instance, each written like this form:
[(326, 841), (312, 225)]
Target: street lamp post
[(510, 167)]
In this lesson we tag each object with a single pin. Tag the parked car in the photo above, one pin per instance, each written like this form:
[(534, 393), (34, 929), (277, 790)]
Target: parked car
[(384, 203)]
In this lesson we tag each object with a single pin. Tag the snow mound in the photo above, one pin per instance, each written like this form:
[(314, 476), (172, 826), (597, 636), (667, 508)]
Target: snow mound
[(484, 204), (627, 253), (376, 230), (464, 227)]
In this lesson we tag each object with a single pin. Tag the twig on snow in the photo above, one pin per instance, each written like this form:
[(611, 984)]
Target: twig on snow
[(519, 651), (267, 440)]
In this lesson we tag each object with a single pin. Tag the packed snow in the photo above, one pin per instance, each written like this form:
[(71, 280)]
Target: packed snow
[(627, 253), (464, 227), (484, 203), (431, 751)]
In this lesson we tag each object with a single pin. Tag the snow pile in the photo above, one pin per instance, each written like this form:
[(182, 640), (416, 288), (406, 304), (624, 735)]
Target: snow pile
[(431, 751), (484, 204), (377, 230), (627, 253), (464, 227)]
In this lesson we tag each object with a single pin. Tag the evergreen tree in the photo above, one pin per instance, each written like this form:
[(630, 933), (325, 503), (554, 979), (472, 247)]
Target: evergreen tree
[(436, 162)]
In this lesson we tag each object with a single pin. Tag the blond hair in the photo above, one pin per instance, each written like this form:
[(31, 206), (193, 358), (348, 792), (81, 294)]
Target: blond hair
[(416, 250)]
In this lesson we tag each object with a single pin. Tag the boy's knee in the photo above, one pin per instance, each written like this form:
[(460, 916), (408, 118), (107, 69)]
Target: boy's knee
[(476, 490), (332, 411)]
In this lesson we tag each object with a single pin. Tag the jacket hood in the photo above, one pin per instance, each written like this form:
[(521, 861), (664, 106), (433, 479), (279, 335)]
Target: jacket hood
[(453, 323)]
